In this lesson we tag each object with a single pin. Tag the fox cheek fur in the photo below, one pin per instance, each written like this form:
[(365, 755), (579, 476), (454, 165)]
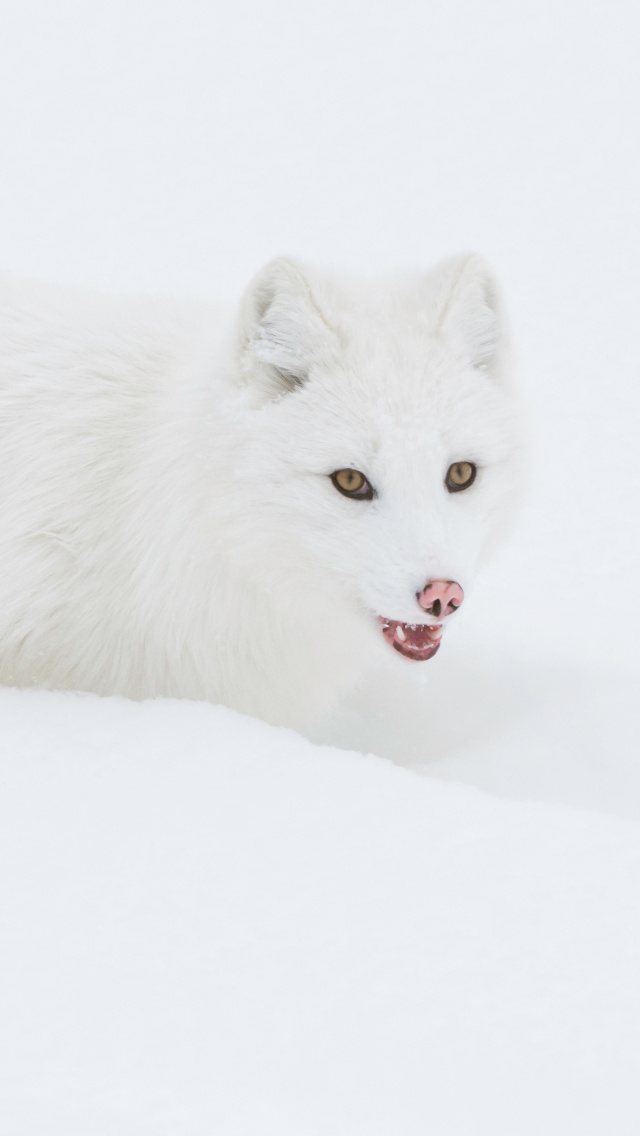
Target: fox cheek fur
[(171, 520)]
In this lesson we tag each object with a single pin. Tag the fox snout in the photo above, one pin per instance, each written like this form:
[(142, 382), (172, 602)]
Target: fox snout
[(440, 598)]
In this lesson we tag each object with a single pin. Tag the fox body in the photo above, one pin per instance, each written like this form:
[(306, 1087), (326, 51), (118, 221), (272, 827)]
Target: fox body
[(248, 507)]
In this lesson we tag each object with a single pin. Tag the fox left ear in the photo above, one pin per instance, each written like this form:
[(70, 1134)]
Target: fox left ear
[(283, 332), (471, 310)]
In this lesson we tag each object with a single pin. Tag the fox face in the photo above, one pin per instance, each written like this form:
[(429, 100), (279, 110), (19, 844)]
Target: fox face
[(384, 443)]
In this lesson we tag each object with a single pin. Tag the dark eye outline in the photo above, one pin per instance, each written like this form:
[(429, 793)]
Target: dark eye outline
[(451, 485), (366, 492)]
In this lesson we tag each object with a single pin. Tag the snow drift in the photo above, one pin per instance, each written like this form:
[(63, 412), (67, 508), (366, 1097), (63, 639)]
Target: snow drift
[(210, 925)]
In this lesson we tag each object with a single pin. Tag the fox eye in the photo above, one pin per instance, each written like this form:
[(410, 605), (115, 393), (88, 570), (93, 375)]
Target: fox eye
[(460, 476), (352, 483)]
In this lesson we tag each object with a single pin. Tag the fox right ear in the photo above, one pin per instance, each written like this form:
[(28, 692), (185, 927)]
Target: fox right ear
[(282, 329), (470, 308)]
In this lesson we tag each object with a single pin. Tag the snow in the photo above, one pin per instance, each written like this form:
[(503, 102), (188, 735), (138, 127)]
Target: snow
[(214, 926), (425, 918)]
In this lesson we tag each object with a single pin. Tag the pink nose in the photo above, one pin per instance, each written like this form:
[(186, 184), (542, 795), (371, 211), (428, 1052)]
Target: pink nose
[(440, 598)]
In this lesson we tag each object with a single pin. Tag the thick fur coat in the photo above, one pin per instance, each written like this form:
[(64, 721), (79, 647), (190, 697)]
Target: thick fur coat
[(169, 522)]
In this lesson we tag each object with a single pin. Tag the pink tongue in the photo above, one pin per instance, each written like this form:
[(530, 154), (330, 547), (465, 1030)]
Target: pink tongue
[(419, 642)]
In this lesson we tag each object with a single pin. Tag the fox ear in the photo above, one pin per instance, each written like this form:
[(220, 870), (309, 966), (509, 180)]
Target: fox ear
[(283, 331), (470, 310)]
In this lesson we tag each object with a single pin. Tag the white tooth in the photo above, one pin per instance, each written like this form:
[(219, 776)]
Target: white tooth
[(436, 632), (400, 633)]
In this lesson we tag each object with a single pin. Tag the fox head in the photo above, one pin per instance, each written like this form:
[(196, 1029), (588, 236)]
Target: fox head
[(385, 441)]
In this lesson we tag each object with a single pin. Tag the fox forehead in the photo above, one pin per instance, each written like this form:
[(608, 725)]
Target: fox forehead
[(352, 412)]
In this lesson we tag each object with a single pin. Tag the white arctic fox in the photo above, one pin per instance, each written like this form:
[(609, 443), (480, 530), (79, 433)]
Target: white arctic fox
[(247, 509)]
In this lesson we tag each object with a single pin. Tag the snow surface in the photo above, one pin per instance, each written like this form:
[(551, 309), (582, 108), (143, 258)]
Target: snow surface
[(211, 926)]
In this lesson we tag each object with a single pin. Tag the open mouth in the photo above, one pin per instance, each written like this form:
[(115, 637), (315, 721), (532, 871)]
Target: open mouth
[(417, 641)]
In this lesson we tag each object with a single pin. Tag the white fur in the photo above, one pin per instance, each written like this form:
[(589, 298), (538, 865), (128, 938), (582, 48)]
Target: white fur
[(168, 523)]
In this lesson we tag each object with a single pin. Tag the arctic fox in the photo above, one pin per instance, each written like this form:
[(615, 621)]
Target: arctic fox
[(248, 508)]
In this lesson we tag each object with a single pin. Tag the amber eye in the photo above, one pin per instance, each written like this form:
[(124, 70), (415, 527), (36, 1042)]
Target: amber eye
[(352, 483), (460, 475)]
